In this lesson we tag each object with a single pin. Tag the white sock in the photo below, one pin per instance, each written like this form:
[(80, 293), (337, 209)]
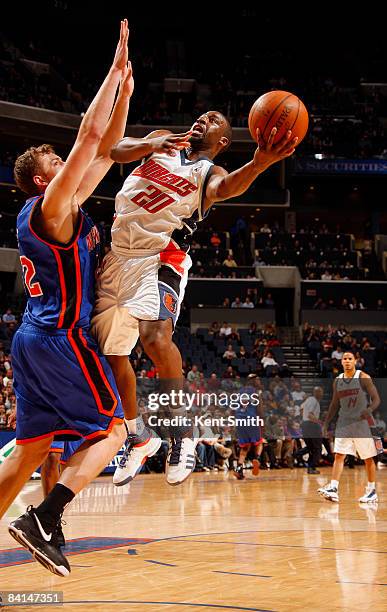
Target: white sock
[(371, 485), (335, 483)]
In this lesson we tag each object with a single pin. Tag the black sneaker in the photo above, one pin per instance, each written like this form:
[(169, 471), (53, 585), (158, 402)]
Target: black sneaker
[(238, 472), (44, 547), (312, 470), (60, 535)]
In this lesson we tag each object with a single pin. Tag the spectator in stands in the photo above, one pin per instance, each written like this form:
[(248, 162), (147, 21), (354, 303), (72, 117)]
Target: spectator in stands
[(253, 328), (213, 383), (355, 305), (344, 303), (319, 304), (242, 353), (265, 229), (359, 365), (269, 302), (229, 353), (226, 303), (215, 241), (8, 378), (236, 303), (297, 394), (273, 433), (193, 375), (225, 330), (337, 353), (8, 316), (3, 414), (214, 329), (228, 373), (269, 363), (230, 262), (326, 275), (247, 303), (252, 293), (258, 261), (380, 305)]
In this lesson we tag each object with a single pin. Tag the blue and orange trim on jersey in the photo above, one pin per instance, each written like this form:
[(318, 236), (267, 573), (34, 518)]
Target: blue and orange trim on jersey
[(69, 271)]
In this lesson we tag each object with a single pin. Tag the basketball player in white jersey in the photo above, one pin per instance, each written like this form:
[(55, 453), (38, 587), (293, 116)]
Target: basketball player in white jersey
[(351, 390), (144, 276)]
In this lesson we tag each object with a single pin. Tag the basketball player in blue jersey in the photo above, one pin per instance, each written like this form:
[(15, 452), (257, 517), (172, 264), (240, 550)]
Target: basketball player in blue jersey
[(64, 387), (351, 391), (143, 278)]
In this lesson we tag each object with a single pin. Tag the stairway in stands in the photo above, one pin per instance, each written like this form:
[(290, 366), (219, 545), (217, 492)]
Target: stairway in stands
[(296, 355)]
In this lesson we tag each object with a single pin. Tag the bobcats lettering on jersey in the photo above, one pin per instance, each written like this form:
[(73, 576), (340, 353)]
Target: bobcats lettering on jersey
[(160, 175), (160, 201)]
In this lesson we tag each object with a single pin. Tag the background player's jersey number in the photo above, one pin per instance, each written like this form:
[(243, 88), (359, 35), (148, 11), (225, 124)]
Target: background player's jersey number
[(34, 289), (152, 199)]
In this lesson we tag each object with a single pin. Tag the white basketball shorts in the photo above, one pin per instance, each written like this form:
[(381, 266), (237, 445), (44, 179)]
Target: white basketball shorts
[(131, 289), (355, 439)]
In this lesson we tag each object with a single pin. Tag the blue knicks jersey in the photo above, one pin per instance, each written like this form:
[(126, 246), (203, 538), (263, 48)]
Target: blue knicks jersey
[(59, 279)]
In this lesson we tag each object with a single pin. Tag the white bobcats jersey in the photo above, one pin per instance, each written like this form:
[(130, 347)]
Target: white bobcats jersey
[(352, 398), (160, 200)]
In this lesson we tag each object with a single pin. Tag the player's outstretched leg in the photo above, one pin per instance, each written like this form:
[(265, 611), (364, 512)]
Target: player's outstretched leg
[(141, 442), (36, 530), (44, 545)]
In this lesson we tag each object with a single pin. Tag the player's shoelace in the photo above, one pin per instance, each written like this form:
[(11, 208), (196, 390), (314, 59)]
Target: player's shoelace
[(175, 451), (129, 445)]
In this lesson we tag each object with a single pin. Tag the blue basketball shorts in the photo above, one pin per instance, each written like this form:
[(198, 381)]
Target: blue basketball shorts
[(70, 446), (57, 446), (63, 385)]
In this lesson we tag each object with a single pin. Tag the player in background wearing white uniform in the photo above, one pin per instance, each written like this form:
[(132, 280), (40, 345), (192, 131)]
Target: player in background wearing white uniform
[(353, 434), (144, 276)]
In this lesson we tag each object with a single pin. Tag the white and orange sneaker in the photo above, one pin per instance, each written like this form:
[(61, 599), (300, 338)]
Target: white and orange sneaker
[(137, 450)]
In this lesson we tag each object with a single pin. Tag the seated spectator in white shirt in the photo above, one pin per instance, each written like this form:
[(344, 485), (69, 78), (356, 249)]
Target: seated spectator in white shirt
[(225, 330), (229, 353), (268, 360), (326, 275), (247, 303), (298, 395), (337, 353)]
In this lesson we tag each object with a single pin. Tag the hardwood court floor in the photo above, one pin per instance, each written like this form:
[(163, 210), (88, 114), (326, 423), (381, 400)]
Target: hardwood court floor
[(214, 543)]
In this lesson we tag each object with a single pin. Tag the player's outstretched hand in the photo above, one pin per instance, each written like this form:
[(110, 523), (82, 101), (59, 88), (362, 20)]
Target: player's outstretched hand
[(170, 143), (127, 82), (269, 153), (121, 56)]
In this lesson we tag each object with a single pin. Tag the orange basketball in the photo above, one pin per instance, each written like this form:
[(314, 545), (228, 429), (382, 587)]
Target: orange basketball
[(279, 109)]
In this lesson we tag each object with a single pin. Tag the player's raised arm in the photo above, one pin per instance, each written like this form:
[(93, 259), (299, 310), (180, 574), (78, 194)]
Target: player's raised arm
[(160, 141), (222, 186), (115, 129), (58, 205)]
